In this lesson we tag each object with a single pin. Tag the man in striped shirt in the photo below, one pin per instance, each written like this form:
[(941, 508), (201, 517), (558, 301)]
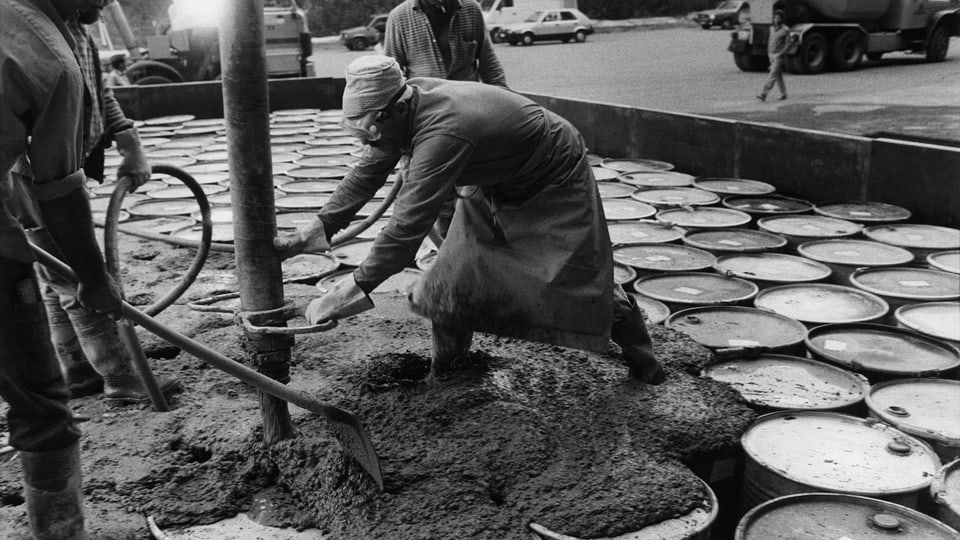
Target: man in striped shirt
[(445, 39)]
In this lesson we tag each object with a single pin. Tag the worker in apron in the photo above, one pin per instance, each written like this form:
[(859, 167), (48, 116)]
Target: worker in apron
[(527, 254)]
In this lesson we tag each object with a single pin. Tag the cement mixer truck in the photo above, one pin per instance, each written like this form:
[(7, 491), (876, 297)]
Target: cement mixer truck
[(837, 34)]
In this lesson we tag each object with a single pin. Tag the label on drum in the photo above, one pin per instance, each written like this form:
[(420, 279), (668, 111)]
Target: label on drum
[(688, 290), (743, 343), (809, 227), (768, 206), (733, 188), (639, 234), (915, 283), (915, 237), (834, 345), (730, 242), (847, 253), (860, 213), (658, 258)]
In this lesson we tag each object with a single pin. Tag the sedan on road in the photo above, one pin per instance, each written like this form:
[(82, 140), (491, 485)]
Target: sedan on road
[(727, 15), (562, 24)]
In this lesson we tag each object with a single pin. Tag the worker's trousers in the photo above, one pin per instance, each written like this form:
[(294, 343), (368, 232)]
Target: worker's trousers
[(775, 77), (30, 379)]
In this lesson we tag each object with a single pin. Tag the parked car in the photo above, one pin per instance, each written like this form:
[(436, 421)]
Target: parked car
[(359, 38), (562, 24), (727, 15)]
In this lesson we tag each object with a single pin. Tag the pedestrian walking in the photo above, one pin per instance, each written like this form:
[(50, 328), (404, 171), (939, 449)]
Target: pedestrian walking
[(527, 254), (777, 44)]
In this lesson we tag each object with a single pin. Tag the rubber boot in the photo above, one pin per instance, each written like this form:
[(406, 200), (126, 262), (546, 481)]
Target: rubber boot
[(121, 384), (51, 485), (450, 343), (637, 347), (82, 379)]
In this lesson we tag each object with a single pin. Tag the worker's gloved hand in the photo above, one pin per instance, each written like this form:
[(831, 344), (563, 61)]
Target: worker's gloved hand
[(101, 295), (344, 300), (134, 164), (309, 239)]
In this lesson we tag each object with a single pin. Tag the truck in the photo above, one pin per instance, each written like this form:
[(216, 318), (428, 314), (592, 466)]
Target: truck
[(837, 34), (189, 50), (497, 13)]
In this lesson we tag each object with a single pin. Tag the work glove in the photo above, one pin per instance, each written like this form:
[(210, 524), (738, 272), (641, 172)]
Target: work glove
[(134, 164), (344, 300), (101, 295), (309, 239)]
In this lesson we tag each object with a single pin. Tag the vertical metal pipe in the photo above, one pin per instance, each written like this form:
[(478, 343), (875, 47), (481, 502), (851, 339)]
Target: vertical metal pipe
[(247, 111), (115, 12)]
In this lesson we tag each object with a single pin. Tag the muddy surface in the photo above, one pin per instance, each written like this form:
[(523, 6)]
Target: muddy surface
[(521, 432)]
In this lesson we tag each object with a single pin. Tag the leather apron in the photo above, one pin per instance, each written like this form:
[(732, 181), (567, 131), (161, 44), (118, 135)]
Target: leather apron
[(540, 269)]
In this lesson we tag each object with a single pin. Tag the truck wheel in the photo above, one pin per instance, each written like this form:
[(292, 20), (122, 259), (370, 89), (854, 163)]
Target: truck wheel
[(148, 68), (528, 39), (751, 62), (812, 54), (359, 43), (153, 79), (846, 52), (938, 44), (727, 25), (580, 36)]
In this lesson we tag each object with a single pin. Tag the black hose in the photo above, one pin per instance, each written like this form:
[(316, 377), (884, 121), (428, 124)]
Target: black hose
[(111, 225)]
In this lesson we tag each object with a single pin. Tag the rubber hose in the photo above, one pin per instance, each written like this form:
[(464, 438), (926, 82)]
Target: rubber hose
[(110, 234), (351, 233)]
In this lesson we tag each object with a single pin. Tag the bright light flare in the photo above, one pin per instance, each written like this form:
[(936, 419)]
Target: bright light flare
[(185, 14)]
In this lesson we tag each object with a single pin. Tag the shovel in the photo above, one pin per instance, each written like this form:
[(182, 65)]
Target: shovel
[(346, 426)]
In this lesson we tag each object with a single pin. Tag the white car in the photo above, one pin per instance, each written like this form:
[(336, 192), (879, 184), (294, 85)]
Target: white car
[(562, 24)]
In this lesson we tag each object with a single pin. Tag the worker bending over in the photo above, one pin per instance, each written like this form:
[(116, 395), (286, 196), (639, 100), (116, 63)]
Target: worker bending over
[(528, 253)]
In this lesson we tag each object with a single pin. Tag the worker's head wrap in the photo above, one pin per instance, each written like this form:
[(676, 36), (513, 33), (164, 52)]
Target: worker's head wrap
[(372, 83)]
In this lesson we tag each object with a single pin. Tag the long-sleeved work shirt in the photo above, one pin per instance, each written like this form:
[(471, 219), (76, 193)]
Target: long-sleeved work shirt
[(412, 42), (41, 97), (461, 134)]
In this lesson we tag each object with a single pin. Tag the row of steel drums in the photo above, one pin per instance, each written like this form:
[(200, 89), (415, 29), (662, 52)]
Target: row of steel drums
[(839, 320)]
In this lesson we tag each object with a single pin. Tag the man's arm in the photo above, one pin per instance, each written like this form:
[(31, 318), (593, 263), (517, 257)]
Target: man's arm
[(58, 188), (434, 169), (491, 71)]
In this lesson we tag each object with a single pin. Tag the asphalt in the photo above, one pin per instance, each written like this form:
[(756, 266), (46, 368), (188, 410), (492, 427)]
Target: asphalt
[(600, 26)]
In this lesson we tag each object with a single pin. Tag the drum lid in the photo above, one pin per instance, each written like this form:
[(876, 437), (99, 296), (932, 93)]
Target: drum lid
[(925, 408), (822, 303), (704, 217), (854, 252), (663, 257), (733, 186), (836, 452), (882, 349), (775, 267), (632, 165), (735, 327), (777, 381), (734, 240), (915, 236), (863, 212)]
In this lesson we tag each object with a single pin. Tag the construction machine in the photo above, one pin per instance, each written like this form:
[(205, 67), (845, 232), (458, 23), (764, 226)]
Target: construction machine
[(838, 34), (188, 50)]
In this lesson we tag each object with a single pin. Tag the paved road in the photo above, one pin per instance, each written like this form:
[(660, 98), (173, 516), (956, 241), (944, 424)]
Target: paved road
[(690, 70)]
